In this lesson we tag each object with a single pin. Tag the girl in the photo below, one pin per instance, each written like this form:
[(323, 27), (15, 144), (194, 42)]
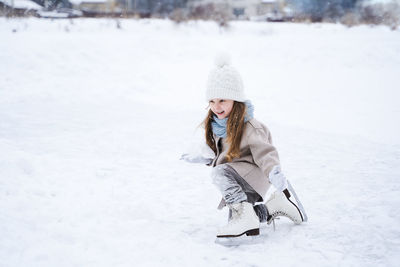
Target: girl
[(245, 162)]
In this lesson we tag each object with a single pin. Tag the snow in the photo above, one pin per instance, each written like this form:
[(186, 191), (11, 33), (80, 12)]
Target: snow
[(78, 2), (52, 14), (94, 120), (369, 2), (27, 4), (268, 1)]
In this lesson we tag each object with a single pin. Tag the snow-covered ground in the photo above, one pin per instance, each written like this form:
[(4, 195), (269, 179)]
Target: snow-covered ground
[(93, 119)]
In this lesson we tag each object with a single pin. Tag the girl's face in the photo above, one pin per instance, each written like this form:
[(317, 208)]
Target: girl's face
[(221, 107)]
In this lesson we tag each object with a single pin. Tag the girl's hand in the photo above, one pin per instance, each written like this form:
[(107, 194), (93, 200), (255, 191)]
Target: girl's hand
[(199, 153), (195, 159)]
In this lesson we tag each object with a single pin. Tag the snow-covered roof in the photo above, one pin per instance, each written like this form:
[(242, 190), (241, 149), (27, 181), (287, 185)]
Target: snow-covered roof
[(52, 14), (77, 2), (268, 1), (371, 2), (26, 4)]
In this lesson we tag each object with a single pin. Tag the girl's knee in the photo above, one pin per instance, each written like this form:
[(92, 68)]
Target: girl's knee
[(218, 174)]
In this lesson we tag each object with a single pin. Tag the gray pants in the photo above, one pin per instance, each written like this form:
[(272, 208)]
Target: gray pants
[(235, 189)]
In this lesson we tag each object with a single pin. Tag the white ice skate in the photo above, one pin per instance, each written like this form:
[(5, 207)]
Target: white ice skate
[(279, 204), (243, 221), (280, 201)]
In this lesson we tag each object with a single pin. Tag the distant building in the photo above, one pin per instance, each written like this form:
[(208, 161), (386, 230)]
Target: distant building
[(274, 10), (149, 7), (142, 8), (93, 8), (245, 9), (19, 7)]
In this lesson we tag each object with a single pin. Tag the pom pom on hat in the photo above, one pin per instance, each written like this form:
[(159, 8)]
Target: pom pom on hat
[(222, 59), (224, 81)]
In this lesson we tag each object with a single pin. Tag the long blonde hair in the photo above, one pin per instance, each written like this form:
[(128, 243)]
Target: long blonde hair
[(234, 130)]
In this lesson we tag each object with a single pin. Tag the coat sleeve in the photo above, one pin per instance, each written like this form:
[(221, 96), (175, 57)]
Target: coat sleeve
[(264, 153)]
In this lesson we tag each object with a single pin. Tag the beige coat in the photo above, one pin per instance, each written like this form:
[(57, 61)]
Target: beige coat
[(257, 156)]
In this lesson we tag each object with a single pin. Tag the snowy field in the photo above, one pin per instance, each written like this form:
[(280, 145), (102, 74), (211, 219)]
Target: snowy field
[(94, 118)]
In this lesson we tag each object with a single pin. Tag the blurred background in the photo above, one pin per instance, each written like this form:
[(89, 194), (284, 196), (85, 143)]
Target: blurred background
[(349, 12)]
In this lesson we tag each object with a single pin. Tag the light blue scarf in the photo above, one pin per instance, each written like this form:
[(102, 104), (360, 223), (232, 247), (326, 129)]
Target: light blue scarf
[(219, 125)]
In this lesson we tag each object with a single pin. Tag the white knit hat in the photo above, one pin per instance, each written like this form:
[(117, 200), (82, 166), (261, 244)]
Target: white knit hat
[(224, 81)]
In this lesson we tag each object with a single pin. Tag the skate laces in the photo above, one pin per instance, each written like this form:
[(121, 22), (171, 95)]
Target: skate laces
[(276, 213)]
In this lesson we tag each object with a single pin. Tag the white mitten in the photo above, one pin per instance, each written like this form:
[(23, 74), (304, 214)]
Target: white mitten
[(277, 178), (195, 159), (199, 154)]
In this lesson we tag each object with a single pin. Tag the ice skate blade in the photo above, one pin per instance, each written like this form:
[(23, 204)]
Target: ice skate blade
[(299, 204), (252, 232), (241, 241)]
